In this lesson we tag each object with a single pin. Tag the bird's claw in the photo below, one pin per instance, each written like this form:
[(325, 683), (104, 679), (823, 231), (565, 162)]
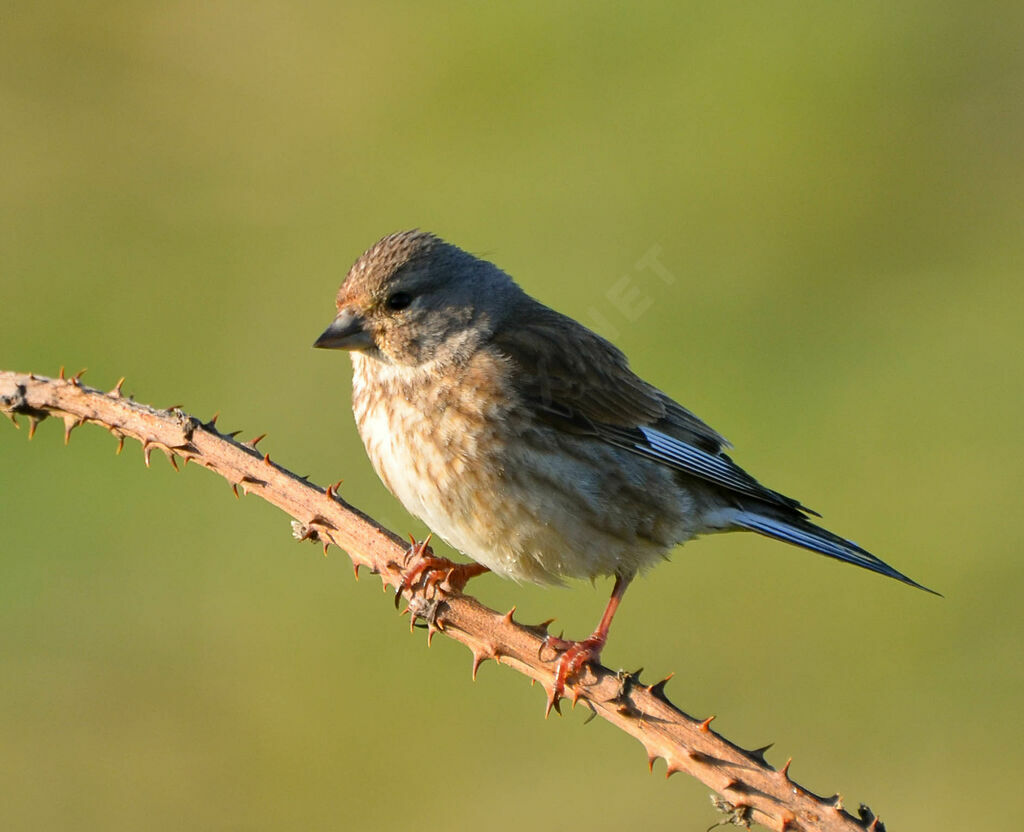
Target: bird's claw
[(423, 570), (573, 656)]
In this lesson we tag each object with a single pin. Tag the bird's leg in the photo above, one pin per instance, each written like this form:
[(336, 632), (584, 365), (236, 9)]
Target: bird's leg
[(423, 568), (575, 654)]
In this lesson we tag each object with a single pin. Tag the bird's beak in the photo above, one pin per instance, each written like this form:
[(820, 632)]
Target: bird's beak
[(346, 332)]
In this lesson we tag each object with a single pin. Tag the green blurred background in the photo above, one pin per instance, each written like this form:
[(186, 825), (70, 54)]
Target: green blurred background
[(836, 192)]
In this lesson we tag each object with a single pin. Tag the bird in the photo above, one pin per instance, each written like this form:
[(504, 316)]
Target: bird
[(525, 441)]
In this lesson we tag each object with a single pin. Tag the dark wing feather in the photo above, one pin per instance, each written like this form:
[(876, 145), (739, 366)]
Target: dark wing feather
[(573, 378), (802, 533)]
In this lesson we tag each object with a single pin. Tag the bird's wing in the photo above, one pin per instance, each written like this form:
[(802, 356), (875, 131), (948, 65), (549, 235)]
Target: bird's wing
[(574, 379)]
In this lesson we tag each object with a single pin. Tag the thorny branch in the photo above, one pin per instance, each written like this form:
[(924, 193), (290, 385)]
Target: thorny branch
[(749, 789)]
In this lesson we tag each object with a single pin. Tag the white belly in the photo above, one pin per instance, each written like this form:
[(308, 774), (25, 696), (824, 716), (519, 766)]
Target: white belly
[(537, 506)]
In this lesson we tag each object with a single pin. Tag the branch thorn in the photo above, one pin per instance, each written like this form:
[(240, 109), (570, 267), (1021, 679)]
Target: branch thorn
[(479, 657), (657, 690), (553, 702), (70, 423)]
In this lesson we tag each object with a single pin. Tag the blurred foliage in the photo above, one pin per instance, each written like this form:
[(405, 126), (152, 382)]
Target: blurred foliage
[(835, 191)]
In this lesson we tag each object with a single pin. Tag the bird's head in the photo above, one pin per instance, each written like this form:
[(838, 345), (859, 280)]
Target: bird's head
[(412, 298)]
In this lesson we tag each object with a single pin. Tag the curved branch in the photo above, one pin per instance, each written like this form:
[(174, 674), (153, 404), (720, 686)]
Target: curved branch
[(750, 789)]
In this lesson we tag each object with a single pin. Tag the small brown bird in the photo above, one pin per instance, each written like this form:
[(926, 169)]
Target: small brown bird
[(526, 442)]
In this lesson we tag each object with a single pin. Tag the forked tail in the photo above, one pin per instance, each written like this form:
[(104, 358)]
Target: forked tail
[(802, 533)]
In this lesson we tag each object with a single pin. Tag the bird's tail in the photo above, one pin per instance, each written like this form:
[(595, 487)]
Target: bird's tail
[(801, 532)]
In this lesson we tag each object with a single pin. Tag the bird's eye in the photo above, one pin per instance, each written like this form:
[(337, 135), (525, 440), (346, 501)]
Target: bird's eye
[(399, 300)]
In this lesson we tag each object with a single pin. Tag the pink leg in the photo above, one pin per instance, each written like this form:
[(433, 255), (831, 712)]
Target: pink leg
[(575, 654)]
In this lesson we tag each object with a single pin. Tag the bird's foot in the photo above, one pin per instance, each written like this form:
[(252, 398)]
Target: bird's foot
[(423, 570), (574, 654)]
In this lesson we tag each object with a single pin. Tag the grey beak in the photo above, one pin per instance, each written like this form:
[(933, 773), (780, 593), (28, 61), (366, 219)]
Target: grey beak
[(345, 333)]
